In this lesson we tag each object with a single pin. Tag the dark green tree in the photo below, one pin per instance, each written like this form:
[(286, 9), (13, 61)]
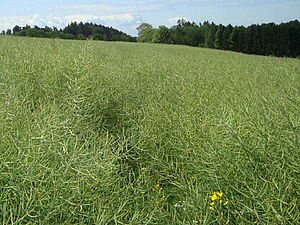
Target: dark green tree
[(293, 28), (16, 29), (210, 35), (147, 33), (226, 37), (164, 35), (8, 32), (234, 39), (72, 28), (144, 27), (219, 43)]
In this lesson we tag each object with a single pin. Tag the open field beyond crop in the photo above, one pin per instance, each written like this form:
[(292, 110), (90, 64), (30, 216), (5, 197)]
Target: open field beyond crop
[(126, 133)]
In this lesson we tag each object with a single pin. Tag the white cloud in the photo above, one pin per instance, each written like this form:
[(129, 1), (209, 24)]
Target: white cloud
[(125, 21), (119, 7), (124, 18), (36, 19), (173, 21)]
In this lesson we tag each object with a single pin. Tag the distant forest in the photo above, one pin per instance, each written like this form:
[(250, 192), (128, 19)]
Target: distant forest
[(265, 39), (79, 31)]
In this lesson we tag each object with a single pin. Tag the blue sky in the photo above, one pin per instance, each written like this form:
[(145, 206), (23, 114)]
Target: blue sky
[(126, 15)]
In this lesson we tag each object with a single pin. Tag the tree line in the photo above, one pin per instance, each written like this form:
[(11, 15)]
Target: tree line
[(74, 30), (265, 39)]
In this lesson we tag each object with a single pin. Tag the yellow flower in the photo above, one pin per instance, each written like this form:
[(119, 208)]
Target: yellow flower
[(214, 197), (220, 194), (212, 203)]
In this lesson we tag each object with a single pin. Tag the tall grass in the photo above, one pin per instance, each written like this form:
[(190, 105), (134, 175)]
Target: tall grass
[(126, 133)]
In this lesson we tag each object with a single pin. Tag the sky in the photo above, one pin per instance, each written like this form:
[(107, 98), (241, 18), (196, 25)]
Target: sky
[(126, 15)]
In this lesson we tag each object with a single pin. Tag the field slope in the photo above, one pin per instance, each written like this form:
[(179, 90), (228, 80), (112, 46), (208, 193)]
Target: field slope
[(127, 133)]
